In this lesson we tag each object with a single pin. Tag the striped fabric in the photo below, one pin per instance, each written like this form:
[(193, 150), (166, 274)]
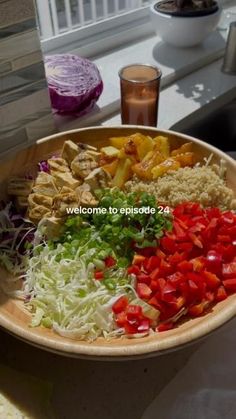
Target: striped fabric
[(25, 111)]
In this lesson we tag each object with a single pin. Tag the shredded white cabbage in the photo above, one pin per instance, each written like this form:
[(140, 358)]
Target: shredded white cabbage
[(65, 296)]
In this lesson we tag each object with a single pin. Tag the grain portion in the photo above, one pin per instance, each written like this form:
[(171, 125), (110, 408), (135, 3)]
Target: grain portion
[(198, 184)]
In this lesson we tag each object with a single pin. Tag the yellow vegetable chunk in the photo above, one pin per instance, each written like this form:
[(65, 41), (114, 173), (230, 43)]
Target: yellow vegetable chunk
[(162, 143), (185, 148), (123, 173), (110, 151), (111, 167), (185, 159), (164, 167), (118, 142), (144, 144), (144, 169)]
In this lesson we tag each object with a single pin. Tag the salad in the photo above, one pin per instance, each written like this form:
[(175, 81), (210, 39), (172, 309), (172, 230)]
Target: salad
[(125, 265)]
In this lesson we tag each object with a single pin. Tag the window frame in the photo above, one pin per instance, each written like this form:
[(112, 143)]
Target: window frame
[(96, 38)]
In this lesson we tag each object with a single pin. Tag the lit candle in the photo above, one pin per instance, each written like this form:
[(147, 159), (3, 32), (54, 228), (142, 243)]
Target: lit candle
[(139, 94)]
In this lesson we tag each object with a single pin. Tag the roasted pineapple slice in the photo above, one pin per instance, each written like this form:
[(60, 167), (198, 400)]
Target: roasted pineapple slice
[(164, 167), (144, 169), (111, 167), (144, 144), (185, 159), (162, 144), (118, 142), (123, 173), (185, 148)]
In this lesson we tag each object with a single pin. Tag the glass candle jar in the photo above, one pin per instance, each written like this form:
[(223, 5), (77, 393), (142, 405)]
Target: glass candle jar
[(140, 87)]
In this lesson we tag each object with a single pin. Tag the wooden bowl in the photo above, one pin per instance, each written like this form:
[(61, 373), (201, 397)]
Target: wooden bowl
[(14, 317)]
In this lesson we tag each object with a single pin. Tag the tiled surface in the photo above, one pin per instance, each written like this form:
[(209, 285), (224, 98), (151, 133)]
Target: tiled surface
[(25, 110)]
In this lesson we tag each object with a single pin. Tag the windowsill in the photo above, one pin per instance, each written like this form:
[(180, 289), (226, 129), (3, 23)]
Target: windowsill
[(175, 64)]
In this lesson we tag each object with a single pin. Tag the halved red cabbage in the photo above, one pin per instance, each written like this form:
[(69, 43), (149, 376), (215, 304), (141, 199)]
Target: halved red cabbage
[(74, 82)]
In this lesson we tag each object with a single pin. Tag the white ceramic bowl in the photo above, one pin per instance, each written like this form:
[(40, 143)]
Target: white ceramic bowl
[(183, 31)]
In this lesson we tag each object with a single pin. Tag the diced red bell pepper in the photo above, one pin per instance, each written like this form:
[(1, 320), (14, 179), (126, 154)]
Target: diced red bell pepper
[(99, 275), (134, 312), (179, 231), (176, 278), (120, 305), (211, 279), (198, 263), (160, 254), (155, 274), (154, 285), (143, 278), (154, 301), (134, 269), (196, 310), (185, 266), (177, 258), (130, 329), (225, 238), (213, 261), (196, 240), (165, 326), (185, 247), (221, 294), (121, 319), (138, 260), (230, 284), (165, 268), (152, 263), (143, 291), (229, 270), (168, 244), (110, 261), (210, 296), (144, 326), (228, 217)]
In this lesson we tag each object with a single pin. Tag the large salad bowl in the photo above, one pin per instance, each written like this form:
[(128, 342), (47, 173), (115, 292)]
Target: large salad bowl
[(15, 319)]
